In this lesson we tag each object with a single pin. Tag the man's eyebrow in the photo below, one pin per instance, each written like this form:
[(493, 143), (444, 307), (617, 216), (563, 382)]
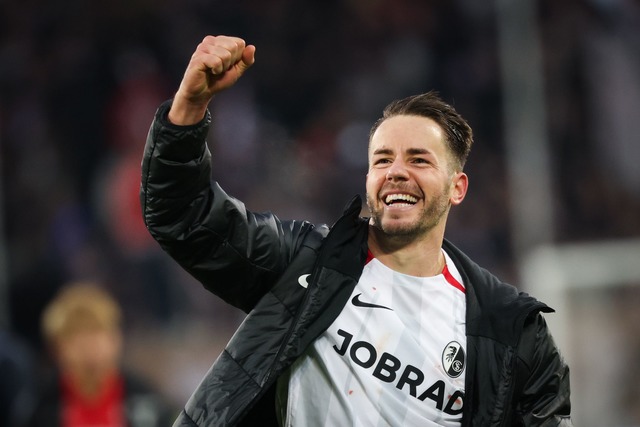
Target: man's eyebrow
[(410, 151), (414, 151), (381, 151)]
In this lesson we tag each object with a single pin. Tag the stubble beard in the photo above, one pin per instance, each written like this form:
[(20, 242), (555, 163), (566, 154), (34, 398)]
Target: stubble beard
[(430, 216)]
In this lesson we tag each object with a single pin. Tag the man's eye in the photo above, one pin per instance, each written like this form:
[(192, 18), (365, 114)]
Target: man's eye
[(382, 161), (420, 160)]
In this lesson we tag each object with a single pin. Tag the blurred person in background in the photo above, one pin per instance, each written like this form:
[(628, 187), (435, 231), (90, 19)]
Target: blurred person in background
[(375, 321), (82, 326)]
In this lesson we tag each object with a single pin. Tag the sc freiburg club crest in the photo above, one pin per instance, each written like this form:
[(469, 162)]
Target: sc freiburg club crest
[(453, 359)]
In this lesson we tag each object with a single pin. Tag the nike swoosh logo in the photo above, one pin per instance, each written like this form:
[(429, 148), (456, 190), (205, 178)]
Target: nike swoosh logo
[(358, 303), (304, 280)]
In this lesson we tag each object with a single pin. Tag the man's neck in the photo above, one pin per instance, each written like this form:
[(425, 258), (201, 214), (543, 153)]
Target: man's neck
[(417, 257)]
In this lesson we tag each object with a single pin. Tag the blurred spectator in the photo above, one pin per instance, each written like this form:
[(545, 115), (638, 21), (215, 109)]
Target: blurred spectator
[(89, 388)]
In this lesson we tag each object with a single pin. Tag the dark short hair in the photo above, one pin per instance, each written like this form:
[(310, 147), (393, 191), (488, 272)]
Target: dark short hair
[(459, 135)]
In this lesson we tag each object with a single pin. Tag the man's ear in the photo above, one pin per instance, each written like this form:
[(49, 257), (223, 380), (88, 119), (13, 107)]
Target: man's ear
[(459, 186)]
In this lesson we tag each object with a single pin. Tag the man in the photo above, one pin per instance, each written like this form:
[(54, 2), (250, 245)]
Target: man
[(82, 326), (376, 321)]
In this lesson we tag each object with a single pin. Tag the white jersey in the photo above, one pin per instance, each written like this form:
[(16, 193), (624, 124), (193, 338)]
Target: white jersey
[(395, 356)]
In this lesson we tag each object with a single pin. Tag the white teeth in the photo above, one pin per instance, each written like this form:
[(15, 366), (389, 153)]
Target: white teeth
[(400, 197)]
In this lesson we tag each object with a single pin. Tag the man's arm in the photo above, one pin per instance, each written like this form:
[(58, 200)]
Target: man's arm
[(233, 252)]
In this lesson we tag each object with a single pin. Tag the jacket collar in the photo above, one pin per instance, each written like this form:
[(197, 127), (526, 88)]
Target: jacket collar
[(492, 305)]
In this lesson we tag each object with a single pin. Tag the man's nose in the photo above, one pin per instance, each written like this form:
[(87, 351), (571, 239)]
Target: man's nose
[(397, 171)]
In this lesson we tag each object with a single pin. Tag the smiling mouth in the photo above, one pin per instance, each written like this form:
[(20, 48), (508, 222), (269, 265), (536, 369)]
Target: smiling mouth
[(400, 200)]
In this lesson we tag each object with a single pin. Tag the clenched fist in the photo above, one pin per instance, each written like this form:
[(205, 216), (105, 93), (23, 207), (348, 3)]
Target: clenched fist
[(217, 63)]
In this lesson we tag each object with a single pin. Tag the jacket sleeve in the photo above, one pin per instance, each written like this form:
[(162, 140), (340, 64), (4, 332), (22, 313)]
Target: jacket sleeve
[(234, 253), (544, 393)]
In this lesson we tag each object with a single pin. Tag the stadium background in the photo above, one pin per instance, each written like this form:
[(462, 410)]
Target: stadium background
[(80, 81)]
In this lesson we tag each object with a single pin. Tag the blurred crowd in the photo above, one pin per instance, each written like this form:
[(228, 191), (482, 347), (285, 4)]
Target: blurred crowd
[(80, 81)]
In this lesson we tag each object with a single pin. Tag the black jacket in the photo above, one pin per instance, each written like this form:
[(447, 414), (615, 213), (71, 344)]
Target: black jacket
[(515, 375)]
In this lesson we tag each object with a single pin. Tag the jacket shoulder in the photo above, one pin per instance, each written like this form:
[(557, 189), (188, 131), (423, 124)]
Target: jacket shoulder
[(495, 309)]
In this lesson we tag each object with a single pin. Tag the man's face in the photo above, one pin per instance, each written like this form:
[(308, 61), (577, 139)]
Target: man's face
[(411, 183)]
